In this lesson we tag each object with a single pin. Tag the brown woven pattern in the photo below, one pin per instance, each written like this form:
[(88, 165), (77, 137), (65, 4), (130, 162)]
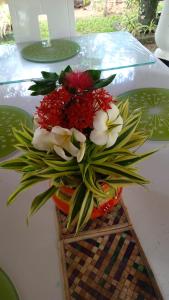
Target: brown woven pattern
[(115, 218), (107, 267)]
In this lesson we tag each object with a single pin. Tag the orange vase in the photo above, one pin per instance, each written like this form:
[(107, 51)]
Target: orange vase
[(64, 205)]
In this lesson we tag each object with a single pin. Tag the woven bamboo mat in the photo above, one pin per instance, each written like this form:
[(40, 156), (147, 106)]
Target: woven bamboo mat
[(115, 219), (105, 261)]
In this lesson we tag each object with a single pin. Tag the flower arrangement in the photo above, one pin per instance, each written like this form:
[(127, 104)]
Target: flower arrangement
[(83, 139)]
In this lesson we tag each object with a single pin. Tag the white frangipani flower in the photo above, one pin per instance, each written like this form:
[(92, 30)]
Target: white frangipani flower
[(60, 139), (43, 139), (107, 126)]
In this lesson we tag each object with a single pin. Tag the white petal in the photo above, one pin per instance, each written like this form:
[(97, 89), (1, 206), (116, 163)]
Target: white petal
[(111, 139), (43, 139), (69, 147), (99, 137), (81, 152), (35, 120), (61, 131), (119, 125), (113, 112), (59, 151), (100, 120), (80, 137), (61, 134)]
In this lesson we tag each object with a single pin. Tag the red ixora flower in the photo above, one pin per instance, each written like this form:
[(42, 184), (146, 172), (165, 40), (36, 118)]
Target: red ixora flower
[(50, 111), (78, 80), (61, 108), (80, 112)]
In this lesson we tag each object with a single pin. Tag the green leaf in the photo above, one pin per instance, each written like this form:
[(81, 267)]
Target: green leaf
[(76, 203), (44, 86), (95, 74), (119, 182), (127, 132), (67, 70), (50, 75), (103, 82), (136, 140), (85, 211), (43, 90), (83, 169), (40, 200), (28, 130), (91, 184), (54, 163), (124, 109), (22, 187), (22, 137), (135, 116), (43, 82), (54, 175), (132, 160), (30, 168), (107, 169), (14, 164), (62, 167), (110, 154)]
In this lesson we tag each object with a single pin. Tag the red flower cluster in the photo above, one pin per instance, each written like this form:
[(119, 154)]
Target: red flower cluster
[(81, 111), (69, 110), (50, 112), (78, 81)]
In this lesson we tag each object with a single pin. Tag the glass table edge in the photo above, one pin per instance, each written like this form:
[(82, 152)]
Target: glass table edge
[(102, 70)]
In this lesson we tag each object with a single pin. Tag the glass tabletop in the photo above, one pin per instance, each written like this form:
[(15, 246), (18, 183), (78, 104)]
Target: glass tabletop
[(99, 51)]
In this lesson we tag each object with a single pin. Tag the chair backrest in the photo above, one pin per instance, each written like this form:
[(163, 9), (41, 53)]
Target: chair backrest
[(24, 15)]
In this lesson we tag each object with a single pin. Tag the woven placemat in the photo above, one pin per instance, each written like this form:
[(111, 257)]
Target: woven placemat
[(107, 267), (11, 117), (154, 103), (58, 50), (114, 219), (105, 261)]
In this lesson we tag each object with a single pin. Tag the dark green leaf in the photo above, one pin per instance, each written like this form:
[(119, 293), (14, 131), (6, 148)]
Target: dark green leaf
[(43, 90), (133, 160), (14, 164), (91, 184), (103, 82), (110, 154), (86, 210), (22, 187), (119, 182), (76, 203), (63, 74), (95, 74), (127, 132), (108, 169), (124, 109), (50, 76), (41, 199)]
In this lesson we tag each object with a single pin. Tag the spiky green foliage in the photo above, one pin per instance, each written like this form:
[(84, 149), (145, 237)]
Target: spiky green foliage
[(114, 166)]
